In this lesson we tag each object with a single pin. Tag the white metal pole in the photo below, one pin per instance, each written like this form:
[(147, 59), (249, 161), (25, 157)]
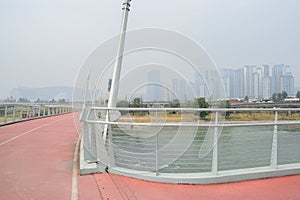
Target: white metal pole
[(21, 113), (112, 101), (14, 114), (117, 70), (215, 148), (5, 115), (275, 142)]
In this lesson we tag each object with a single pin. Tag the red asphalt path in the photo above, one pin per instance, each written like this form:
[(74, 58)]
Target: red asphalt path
[(36, 160)]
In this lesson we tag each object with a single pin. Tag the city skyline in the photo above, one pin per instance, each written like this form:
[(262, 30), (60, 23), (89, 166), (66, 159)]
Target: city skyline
[(255, 81), (263, 81), (259, 81)]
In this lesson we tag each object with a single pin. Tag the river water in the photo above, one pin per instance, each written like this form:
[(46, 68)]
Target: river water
[(189, 150)]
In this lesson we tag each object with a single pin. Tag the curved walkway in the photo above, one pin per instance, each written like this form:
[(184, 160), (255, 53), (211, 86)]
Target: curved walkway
[(36, 162)]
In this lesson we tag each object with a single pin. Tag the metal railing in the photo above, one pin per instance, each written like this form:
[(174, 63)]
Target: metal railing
[(149, 143), (12, 113)]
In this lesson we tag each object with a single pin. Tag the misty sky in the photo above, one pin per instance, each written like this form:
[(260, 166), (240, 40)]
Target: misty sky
[(44, 42)]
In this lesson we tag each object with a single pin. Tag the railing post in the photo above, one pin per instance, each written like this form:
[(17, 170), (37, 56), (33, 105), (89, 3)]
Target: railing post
[(156, 150), (110, 142), (5, 115), (14, 114), (275, 142), (215, 147), (39, 110), (31, 112), (93, 139), (21, 113), (27, 113)]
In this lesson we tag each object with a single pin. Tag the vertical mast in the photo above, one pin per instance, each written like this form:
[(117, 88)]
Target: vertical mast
[(112, 101), (117, 69)]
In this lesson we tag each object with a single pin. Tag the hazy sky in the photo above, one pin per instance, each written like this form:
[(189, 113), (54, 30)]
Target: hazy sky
[(44, 42)]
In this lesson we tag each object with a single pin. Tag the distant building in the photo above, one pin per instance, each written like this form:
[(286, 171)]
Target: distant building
[(267, 87), (197, 84), (229, 82), (175, 89), (256, 85), (254, 81), (182, 90), (154, 89), (238, 84), (277, 72), (283, 79), (287, 84)]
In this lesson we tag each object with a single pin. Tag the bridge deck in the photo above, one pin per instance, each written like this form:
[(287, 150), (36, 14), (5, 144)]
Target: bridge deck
[(36, 163)]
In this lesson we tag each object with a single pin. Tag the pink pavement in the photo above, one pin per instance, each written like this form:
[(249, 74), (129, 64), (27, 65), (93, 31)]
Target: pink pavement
[(36, 159), (37, 165)]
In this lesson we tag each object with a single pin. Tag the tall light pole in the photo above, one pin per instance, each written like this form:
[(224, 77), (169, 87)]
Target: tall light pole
[(112, 101)]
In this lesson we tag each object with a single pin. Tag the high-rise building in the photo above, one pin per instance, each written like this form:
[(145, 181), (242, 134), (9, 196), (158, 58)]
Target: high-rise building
[(256, 85), (175, 89), (283, 79), (238, 83), (229, 82), (255, 82), (154, 89), (277, 72), (267, 87), (266, 72), (287, 84), (248, 80), (182, 90), (197, 84), (214, 85)]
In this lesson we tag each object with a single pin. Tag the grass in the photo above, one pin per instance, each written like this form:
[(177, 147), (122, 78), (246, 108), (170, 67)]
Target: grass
[(161, 117), (191, 117)]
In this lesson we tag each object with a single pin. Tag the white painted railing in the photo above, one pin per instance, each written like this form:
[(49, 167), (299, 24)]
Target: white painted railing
[(191, 150), (12, 113)]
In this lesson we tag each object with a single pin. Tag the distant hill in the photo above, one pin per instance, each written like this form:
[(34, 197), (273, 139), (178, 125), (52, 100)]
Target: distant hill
[(45, 93)]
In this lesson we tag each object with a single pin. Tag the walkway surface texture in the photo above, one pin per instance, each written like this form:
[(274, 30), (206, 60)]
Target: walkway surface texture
[(36, 162)]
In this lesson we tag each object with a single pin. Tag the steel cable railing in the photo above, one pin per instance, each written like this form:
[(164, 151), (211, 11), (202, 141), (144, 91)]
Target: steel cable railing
[(147, 140)]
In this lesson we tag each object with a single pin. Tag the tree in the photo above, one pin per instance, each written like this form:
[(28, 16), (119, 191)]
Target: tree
[(201, 103), (298, 95), (123, 104), (280, 97), (284, 95), (61, 101), (174, 104), (225, 104), (246, 99), (274, 97), (23, 100), (137, 102)]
